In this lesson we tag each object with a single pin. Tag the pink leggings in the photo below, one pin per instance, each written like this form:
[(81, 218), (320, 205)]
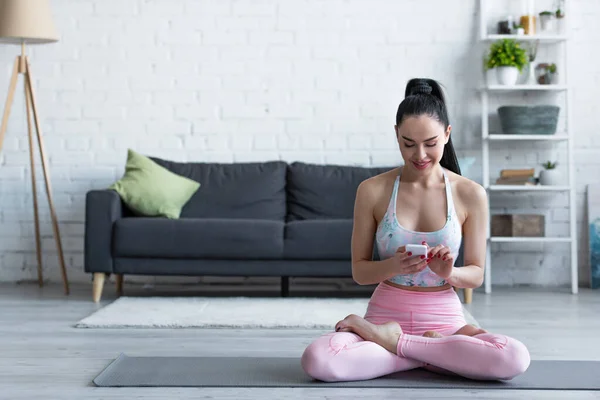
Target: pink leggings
[(345, 356)]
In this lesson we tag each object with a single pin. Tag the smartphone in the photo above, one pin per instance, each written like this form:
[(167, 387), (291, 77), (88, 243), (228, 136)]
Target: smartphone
[(417, 249)]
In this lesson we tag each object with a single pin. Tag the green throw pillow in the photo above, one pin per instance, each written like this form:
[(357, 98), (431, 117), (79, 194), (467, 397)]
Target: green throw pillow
[(152, 190)]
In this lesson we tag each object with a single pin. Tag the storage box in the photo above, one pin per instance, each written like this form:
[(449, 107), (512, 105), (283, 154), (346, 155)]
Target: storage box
[(527, 225), (529, 120)]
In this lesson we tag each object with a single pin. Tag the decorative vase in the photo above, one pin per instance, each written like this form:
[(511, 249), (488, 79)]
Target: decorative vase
[(551, 177), (528, 23), (507, 75), (532, 79)]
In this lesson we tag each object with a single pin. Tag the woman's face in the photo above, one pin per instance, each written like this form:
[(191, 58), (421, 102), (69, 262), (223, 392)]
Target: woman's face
[(421, 140)]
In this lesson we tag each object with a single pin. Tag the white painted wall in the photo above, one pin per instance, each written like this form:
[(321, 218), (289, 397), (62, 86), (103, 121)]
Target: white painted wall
[(316, 81)]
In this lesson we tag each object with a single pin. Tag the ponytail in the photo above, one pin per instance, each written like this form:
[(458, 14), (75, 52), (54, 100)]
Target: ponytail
[(425, 97)]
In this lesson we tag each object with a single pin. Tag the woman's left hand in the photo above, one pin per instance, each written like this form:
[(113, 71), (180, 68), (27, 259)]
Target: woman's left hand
[(440, 260)]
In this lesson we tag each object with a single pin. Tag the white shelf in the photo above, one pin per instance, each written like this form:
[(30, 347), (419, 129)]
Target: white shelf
[(559, 45), (503, 239), (528, 137), (528, 188), (507, 88), (527, 38)]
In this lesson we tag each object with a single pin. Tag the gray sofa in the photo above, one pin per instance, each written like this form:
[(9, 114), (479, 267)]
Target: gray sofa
[(247, 219)]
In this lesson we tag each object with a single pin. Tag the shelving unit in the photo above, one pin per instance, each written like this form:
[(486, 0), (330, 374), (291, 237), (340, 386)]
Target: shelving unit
[(567, 136), (528, 137), (517, 188), (527, 38), (501, 239), (508, 88)]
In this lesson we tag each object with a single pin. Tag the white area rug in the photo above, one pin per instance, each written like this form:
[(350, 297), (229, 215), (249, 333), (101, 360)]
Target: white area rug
[(230, 312)]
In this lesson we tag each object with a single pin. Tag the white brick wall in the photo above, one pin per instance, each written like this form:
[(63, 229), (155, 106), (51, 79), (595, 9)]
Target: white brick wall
[(253, 80)]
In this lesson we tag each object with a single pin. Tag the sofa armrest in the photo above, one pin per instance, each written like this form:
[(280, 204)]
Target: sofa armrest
[(102, 209)]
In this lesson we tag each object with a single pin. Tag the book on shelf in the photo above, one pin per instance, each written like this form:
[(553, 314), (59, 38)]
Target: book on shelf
[(510, 173), (525, 180)]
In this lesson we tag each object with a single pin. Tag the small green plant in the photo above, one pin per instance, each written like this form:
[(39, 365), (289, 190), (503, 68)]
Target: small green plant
[(546, 13), (506, 53), (552, 68), (550, 164), (559, 9)]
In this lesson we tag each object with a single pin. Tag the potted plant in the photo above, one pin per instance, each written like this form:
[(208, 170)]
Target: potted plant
[(551, 75), (550, 175), (560, 10), (546, 74), (508, 58), (518, 29), (547, 20), (560, 15)]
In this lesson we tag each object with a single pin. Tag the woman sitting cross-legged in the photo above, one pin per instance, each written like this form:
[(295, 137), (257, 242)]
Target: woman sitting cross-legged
[(414, 318)]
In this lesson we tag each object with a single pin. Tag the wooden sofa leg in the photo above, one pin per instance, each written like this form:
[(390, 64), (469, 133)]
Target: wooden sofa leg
[(119, 282), (98, 284), (468, 292), (285, 286)]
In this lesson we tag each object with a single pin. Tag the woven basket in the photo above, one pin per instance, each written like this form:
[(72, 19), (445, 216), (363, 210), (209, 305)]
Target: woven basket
[(528, 120)]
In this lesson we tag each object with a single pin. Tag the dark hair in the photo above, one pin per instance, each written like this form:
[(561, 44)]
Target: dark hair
[(425, 97)]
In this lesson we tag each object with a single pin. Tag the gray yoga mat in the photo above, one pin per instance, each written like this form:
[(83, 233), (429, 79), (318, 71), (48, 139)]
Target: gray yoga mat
[(287, 372)]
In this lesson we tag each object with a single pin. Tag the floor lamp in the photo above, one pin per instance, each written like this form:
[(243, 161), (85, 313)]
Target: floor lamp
[(30, 22)]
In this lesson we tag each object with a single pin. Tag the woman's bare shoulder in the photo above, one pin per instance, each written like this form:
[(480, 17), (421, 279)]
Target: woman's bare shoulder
[(373, 189), (470, 193), (378, 182)]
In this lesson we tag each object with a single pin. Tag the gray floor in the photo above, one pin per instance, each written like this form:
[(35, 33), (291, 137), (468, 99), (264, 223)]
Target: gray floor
[(43, 356)]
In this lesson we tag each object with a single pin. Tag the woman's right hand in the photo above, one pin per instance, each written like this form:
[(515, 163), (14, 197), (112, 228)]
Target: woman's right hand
[(405, 263)]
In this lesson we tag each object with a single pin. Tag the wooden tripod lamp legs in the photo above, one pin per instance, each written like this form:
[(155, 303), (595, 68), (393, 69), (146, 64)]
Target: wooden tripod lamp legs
[(55, 227), (22, 66), (9, 100), (38, 243)]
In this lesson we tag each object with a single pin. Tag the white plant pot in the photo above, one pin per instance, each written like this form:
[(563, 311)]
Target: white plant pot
[(507, 75), (551, 177), (547, 23), (560, 25)]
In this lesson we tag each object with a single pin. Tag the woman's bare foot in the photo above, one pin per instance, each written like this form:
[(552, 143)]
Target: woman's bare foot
[(385, 335), (469, 330)]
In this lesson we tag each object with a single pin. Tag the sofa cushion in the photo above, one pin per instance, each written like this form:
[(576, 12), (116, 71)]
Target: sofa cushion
[(151, 190), (324, 191), (198, 238), (318, 240), (253, 190)]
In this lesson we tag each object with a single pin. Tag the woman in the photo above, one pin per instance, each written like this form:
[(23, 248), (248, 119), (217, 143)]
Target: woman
[(414, 318)]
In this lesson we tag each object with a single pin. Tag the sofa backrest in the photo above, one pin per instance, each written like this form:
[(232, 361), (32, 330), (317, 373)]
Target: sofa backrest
[(234, 190), (324, 191)]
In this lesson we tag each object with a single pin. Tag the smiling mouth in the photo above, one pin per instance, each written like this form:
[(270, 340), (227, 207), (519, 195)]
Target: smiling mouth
[(421, 165)]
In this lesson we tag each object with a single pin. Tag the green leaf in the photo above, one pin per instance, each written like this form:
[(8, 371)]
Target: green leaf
[(506, 53)]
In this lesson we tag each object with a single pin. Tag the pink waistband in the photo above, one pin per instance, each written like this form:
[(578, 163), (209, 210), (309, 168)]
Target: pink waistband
[(416, 312), (408, 300)]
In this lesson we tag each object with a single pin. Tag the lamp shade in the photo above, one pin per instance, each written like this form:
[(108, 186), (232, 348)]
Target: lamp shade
[(26, 21)]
